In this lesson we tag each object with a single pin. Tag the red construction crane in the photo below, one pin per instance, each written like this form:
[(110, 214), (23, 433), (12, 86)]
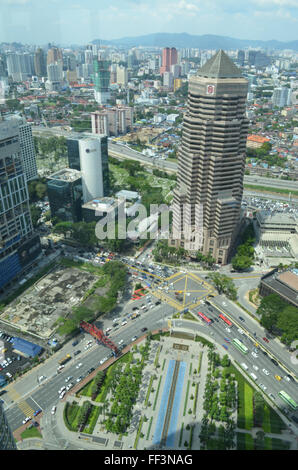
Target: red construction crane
[(99, 336)]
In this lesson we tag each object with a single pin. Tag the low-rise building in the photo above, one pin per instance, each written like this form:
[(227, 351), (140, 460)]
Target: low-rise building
[(285, 284)]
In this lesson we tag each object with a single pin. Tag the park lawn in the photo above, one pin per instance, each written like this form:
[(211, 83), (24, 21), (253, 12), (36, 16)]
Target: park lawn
[(86, 390), (249, 442), (32, 432), (92, 420), (245, 400), (244, 441), (276, 423), (71, 413), (248, 400), (276, 444), (266, 419), (241, 406)]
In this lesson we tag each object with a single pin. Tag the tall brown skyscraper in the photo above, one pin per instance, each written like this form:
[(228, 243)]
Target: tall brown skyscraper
[(54, 55), (211, 161), (169, 57), (40, 63)]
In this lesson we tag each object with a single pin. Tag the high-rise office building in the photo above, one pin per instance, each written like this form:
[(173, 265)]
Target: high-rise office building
[(7, 441), (55, 76), (40, 63), (211, 161), (89, 154), (169, 57), (122, 75), (241, 57), (281, 97), (54, 55), (27, 147), (20, 66), (112, 121), (94, 167), (65, 195), (251, 57), (168, 80), (101, 78), (19, 246)]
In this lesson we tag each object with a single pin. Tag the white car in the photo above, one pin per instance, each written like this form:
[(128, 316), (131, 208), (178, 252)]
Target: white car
[(62, 394), (68, 378), (254, 354), (108, 329), (26, 419), (62, 389), (69, 386), (240, 331), (121, 342), (79, 379), (255, 367), (124, 323), (53, 410), (263, 387), (133, 338), (228, 330), (41, 378), (79, 365), (287, 378), (265, 371)]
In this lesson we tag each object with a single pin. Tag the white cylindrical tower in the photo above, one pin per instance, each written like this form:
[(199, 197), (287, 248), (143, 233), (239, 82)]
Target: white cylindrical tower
[(91, 169)]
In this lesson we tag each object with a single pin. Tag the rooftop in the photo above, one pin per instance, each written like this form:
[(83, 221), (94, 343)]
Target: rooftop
[(257, 138), (285, 284), (67, 174), (272, 218), (220, 66)]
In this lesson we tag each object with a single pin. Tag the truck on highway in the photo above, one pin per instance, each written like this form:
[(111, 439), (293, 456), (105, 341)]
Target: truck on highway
[(65, 359)]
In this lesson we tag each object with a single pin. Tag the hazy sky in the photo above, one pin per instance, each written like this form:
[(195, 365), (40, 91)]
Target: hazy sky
[(81, 21)]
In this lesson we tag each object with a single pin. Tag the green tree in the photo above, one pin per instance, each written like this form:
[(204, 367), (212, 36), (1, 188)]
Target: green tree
[(288, 323), (35, 214), (241, 263)]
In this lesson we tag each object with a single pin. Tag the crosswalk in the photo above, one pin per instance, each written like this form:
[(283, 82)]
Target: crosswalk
[(25, 408), (22, 404)]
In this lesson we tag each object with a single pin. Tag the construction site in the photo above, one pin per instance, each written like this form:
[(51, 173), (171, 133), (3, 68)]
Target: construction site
[(53, 296)]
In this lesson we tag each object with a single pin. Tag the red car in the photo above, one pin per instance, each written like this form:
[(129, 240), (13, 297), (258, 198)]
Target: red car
[(266, 340)]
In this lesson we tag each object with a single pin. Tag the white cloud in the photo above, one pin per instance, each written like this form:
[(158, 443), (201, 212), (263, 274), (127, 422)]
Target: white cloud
[(279, 3), (183, 4)]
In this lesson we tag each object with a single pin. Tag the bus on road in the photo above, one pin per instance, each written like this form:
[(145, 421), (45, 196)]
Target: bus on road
[(206, 319), (228, 322), (239, 345), (288, 400)]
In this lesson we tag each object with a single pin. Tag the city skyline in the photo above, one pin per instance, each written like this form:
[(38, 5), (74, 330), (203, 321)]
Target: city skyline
[(81, 22)]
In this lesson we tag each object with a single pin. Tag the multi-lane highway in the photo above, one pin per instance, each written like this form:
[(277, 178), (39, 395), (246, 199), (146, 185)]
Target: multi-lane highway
[(123, 151), (29, 394), (223, 336)]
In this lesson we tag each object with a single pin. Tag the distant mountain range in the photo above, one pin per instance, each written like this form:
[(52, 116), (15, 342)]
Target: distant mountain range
[(206, 41)]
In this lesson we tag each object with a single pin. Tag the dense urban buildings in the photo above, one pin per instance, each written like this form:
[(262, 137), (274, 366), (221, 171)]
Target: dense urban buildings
[(211, 159), (19, 245)]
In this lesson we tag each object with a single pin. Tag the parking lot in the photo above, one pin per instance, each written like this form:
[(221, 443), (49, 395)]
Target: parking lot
[(10, 362)]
